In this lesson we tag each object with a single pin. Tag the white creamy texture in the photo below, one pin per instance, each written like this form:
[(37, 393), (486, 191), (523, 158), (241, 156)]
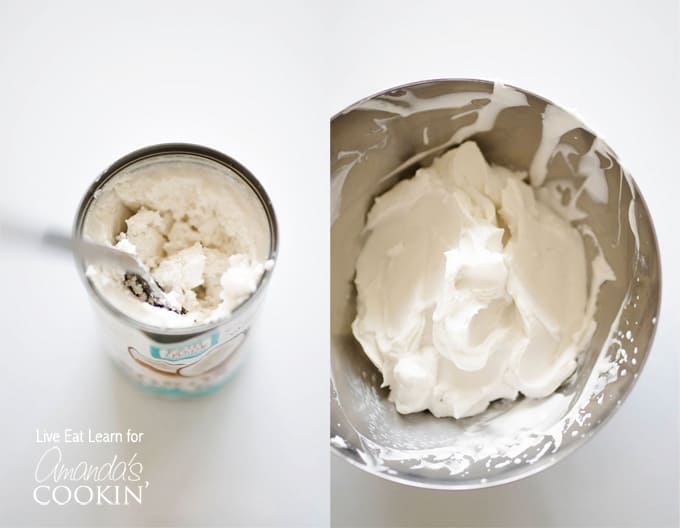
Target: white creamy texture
[(202, 234), (470, 289)]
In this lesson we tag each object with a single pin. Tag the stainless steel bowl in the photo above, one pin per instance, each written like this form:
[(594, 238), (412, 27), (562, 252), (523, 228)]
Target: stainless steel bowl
[(385, 138)]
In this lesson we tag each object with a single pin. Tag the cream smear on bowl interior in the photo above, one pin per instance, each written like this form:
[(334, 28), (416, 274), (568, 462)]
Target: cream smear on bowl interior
[(526, 142), (203, 237)]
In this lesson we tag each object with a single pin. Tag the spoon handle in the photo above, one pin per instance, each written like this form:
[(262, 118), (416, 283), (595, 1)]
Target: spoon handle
[(92, 251)]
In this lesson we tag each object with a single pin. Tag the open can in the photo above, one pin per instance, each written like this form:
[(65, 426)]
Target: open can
[(184, 361)]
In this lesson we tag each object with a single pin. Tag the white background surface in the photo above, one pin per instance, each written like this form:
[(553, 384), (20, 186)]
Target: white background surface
[(614, 63), (83, 83)]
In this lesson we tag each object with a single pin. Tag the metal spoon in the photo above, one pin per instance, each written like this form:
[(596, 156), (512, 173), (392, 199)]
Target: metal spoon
[(137, 277)]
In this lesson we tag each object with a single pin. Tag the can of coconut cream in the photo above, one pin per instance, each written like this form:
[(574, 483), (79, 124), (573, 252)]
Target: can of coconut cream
[(206, 230)]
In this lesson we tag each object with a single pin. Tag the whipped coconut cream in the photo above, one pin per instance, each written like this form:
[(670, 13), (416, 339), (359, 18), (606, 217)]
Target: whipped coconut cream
[(202, 235), (471, 288)]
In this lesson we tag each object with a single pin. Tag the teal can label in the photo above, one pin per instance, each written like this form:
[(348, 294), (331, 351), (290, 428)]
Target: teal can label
[(185, 351)]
